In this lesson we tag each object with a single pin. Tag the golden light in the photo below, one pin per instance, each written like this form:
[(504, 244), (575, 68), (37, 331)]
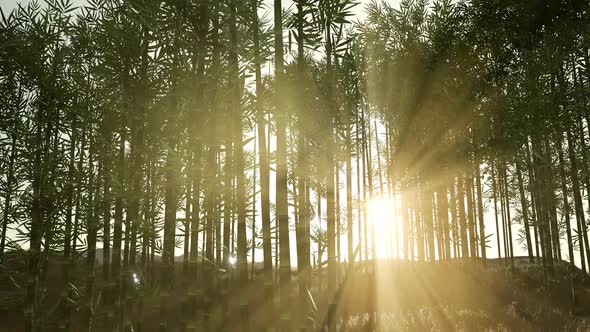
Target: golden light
[(382, 216)]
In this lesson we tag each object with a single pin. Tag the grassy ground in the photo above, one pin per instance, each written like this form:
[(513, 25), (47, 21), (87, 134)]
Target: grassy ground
[(390, 296), (469, 296)]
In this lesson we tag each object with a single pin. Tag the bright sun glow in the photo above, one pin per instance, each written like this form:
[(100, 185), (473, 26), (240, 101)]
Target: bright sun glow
[(382, 216), (232, 260)]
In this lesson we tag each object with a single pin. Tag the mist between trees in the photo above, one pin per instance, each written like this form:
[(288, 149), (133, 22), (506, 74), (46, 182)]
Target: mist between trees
[(296, 143)]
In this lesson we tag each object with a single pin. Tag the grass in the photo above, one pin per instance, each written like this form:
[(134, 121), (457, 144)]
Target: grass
[(402, 296)]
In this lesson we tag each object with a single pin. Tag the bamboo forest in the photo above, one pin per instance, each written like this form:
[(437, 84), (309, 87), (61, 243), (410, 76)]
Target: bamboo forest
[(294, 165)]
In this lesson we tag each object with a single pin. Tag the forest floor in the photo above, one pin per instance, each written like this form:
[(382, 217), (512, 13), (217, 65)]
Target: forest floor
[(472, 296), (390, 295)]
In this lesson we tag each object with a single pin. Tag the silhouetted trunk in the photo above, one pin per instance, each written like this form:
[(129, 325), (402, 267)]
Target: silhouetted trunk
[(240, 200), (495, 198), (462, 222), (282, 205), (195, 213), (171, 190), (70, 197), (504, 176), (482, 233), (106, 212), (349, 202), (262, 153), (134, 194), (200, 112), (525, 214), (454, 219), (551, 202), (359, 191), (302, 228), (364, 174), (119, 194), (586, 175), (211, 164), (428, 219), (581, 221), (405, 223), (330, 164), (253, 212), (79, 190), (92, 228), (227, 205), (187, 226), (242, 245), (224, 245), (443, 221), (471, 212), (337, 212), (391, 192), (566, 205), (540, 204), (418, 210), (532, 187), (36, 229), (10, 178), (369, 157)]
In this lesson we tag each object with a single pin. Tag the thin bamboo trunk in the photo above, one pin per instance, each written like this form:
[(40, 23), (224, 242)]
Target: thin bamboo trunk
[(282, 204), (262, 153), (566, 205), (532, 186), (581, 221), (508, 219), (462, 221), (525, 214), (495, 198), (454, 219), (118, 217), (482, 233), (10, 178)]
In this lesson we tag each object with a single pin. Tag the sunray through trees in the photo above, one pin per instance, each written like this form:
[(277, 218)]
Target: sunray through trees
[(282, 152)]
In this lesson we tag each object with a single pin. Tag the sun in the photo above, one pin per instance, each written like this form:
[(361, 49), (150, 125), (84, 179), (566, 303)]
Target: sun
[(382, 216)]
